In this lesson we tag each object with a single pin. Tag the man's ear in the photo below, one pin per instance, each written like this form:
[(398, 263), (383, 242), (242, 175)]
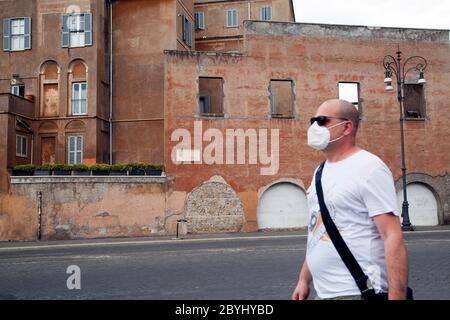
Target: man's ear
[(349, 127)]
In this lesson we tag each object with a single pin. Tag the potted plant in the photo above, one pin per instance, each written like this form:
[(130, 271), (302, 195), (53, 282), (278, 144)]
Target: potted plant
[(80, 169), (136, 169), (24, 170), (43, 169), (119, 169), (154, 169), (100, 169), (62, 169)]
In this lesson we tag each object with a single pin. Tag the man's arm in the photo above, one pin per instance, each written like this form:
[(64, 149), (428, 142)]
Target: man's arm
[(395, 252), (301, 292)]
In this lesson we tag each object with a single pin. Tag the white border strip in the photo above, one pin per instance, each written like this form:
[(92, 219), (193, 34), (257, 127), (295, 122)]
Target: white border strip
[(93, 244)]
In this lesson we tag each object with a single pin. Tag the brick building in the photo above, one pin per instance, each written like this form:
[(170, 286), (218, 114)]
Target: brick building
[(55, 61), (182, 68)]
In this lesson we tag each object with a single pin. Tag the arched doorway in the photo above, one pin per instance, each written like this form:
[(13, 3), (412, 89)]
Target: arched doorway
[(281, 206), (423, 208)]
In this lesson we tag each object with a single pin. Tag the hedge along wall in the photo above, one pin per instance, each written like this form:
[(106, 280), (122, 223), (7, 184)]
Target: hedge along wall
[(89, 207)]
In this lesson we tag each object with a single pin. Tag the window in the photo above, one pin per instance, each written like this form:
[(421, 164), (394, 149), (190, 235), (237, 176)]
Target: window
[(79, 99), (21, 146), (210, 96), (187, 32), (75, 147), (414, 103), (232, 18), (18, 90), (199, 20), (349, 91), (266, 13), (76, 30), (17, 34), (281, 98)]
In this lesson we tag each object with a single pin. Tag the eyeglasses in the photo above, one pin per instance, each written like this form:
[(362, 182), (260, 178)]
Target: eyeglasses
[(323, 120)]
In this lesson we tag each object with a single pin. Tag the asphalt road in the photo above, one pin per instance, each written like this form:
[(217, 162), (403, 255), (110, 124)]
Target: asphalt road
[(249, 266)]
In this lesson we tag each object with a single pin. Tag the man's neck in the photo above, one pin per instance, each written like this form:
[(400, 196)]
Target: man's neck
[(341, 153)]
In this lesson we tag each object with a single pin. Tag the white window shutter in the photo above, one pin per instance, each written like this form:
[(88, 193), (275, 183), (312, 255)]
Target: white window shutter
[(6, 34)]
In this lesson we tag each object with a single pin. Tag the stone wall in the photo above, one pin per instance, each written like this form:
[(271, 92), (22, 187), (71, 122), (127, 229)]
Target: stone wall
[(89, 207), (214, 207)]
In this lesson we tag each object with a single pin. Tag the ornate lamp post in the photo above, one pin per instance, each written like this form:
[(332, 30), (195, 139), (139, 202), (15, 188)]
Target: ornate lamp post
[(393, 66)]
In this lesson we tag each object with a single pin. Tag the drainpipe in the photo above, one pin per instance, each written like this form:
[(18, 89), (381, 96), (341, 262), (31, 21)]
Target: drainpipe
[(39, 215), (32, 148), (110, 81), (249, 11)]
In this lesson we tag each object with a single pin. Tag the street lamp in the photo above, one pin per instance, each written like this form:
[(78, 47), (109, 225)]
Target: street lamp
[(393, 66)]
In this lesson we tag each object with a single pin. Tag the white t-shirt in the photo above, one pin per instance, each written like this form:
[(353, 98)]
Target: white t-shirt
[(355, 190)]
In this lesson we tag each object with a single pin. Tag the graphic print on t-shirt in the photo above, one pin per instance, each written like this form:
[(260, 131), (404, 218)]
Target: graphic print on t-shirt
[(316, 228)]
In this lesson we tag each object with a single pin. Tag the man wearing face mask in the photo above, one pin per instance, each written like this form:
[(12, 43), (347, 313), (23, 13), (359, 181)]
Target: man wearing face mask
[(358, 191)]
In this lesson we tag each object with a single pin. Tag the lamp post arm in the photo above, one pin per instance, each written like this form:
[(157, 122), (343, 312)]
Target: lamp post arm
[(390, 65), (420, 66)]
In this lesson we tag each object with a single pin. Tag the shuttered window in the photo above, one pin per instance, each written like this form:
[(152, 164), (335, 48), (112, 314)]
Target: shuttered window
[(18, 90), (76, 30), (266, 13), (79, 98), (17, 34), (21, 146), (199, 20), (232, 18), (75, 149)]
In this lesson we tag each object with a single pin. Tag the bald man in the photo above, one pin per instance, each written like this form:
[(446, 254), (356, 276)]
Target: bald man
[(359, 194)]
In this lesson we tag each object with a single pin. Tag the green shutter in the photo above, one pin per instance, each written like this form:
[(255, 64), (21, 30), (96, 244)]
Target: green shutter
[(6, 34), (27, 33), (65, 32), (88, 29)]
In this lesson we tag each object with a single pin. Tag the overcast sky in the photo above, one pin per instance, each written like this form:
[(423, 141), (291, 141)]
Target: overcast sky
[(428, 14)]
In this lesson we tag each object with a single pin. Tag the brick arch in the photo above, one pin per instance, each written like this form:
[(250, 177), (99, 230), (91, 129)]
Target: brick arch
[(434, 184), (214, 206), (50, 70), (296, 182), (48, 126), (75, 125), (78, 69)]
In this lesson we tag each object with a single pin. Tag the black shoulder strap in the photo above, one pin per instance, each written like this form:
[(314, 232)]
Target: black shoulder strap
[(339, 243)]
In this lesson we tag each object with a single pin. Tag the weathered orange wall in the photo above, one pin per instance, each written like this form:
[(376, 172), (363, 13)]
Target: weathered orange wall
[(138, 77), (316, 58), (89, 207)]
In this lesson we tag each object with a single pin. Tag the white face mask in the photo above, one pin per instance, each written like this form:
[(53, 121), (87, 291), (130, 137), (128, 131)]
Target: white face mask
[(319, 136)]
